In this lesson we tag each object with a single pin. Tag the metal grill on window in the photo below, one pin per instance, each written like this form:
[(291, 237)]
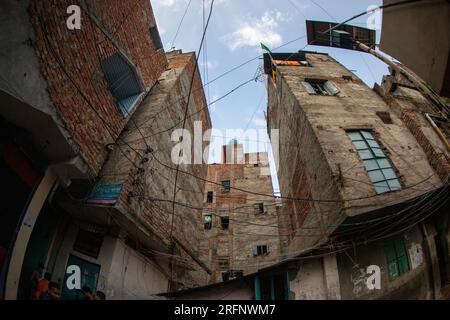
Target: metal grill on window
[(123, 82), (377, 164)]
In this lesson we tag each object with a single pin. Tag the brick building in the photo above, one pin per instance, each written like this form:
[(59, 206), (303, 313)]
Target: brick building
[(75, 106), (240, 233), (365, 182)]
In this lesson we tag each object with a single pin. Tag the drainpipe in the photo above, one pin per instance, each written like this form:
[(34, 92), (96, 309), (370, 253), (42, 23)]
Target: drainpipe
[(428, 259)]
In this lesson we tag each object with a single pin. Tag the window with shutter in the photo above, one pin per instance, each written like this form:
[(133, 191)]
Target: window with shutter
[(396, 258), (226, 186), (308, 87), (320, 87), (331, 88)]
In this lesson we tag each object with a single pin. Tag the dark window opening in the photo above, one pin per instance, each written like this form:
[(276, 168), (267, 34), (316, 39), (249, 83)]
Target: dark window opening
[(223, 263), (260, 250), (139, 247), (320, 87), (261, 208), (156, 39), (385, 117), (207, 221), (225, 222), (88, 243), (226, 186), (232, 274), (210, 197)]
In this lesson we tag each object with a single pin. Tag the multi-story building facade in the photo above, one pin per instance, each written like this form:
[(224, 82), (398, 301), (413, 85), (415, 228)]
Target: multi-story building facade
[(240, 229), (82, 110), (361, 184)]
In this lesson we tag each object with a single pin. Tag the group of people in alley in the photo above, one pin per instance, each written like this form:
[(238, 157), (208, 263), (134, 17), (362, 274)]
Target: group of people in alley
[(42, 288)]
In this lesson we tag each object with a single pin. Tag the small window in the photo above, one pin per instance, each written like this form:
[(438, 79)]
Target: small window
[(260, 250), (88, 243), (347, 78), (261, 208), (226, 186), (320, 87), (396, 258), (156, 39), (377, 164), (225, 222), (123, 82), (255, 165), (210, 197), (207, 221), (223, 262)]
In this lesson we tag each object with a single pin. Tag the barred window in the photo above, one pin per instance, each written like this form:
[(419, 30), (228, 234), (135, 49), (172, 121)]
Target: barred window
[(377, 164)]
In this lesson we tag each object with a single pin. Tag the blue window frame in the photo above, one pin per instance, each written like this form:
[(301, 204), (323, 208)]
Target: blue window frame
[(377, 164), (123, 82)]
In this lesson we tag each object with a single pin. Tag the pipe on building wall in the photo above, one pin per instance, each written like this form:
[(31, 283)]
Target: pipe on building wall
[(428, 259), (438, 131)]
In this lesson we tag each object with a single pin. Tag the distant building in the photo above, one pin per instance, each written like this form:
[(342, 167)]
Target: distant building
[(240, 230), (75, 105)]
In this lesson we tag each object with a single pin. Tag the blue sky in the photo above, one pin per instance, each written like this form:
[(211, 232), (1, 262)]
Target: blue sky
[(235, 31)]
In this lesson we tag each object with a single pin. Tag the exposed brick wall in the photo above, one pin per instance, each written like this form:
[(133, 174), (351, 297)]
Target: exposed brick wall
[(410, 105), (247, 227), (148, 182), (80, 52)]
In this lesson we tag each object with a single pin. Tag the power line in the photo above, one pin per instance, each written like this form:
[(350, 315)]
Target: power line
[(184, 124), (285, 197), (181, 22)]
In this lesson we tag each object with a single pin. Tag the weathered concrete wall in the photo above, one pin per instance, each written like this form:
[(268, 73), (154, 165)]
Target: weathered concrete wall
[(133, 276), (227, 291), (414, 284), (143, 164), (124, 273), (418, 35), (247, 227), (410, 106), (39, 43), (307, 282), (319, 162)]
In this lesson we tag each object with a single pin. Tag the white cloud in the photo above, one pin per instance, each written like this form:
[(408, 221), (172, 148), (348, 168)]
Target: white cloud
[(256, 30)]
